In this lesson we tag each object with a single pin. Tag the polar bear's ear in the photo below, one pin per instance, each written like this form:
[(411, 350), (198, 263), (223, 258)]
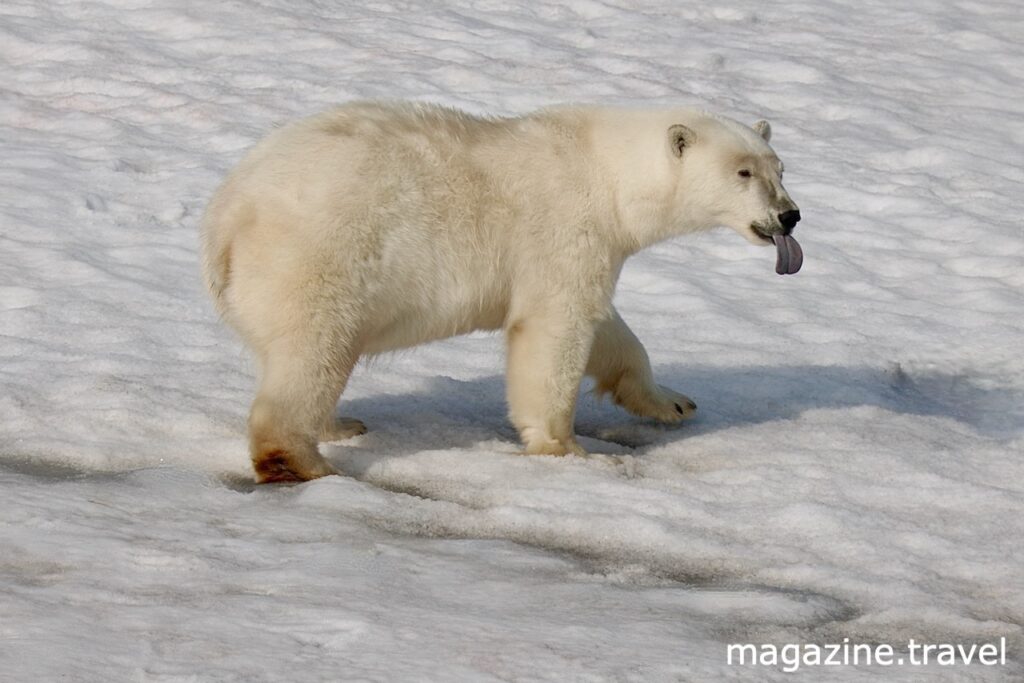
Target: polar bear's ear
[(764, 129), (680, 137)]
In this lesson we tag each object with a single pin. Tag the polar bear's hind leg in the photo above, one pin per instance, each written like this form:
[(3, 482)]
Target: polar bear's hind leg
[(294, 408)]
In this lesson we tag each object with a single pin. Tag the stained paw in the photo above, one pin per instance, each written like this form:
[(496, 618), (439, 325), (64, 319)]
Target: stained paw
[(280, 466)]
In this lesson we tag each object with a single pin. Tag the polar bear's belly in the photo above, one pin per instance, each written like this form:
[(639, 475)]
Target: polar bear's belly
[(417, 317)]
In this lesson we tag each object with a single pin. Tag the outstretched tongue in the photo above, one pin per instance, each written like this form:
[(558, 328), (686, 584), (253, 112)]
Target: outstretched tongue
[(790, 257)]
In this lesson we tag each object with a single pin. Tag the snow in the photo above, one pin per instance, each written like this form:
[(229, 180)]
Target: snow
[(856, 470)]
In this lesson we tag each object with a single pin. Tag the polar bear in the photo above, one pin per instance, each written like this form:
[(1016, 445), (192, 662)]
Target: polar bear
[(379, 226)]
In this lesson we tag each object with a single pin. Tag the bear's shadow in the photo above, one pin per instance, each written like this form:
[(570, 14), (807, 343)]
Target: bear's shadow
[(454, 414)]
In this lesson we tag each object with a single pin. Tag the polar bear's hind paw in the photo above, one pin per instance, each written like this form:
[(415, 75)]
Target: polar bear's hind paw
[(341, 428)]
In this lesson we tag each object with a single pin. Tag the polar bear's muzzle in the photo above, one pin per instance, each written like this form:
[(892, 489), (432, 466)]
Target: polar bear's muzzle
[(789, 219)]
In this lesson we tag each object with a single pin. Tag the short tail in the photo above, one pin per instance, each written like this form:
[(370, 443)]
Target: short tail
[(217, 238)]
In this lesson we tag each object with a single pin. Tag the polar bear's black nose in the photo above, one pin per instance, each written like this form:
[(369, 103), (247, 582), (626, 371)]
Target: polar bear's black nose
[(789, 219)]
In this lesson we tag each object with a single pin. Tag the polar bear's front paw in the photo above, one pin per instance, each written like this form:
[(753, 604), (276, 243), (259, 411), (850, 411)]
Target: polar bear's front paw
[(671, 406), (541, 446), (660, 403)]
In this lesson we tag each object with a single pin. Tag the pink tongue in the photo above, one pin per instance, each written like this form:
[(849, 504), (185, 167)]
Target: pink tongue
[(790, 255)]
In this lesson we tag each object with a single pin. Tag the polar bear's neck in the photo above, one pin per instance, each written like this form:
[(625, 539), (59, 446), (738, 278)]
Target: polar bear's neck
[(631, 149)]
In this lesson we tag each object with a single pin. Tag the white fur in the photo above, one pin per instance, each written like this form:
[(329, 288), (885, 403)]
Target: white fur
[(374, 227)]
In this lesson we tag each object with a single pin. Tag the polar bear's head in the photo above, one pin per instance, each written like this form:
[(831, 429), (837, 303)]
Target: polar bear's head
[(728, 175)]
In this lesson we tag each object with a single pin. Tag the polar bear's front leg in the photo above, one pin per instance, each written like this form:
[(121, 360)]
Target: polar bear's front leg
[(621, 367), (546, 359)]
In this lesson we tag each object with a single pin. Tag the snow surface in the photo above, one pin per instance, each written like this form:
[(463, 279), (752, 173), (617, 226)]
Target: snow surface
[(856, 470)]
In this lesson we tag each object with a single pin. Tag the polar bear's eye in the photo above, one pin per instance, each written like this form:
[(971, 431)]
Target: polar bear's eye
[(744, 173)]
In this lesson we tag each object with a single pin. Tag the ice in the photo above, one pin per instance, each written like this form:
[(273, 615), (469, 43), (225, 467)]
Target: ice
[(855, 471)]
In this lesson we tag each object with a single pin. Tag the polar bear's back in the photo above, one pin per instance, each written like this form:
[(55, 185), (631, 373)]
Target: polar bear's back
[(412, 191), (395, 121)]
